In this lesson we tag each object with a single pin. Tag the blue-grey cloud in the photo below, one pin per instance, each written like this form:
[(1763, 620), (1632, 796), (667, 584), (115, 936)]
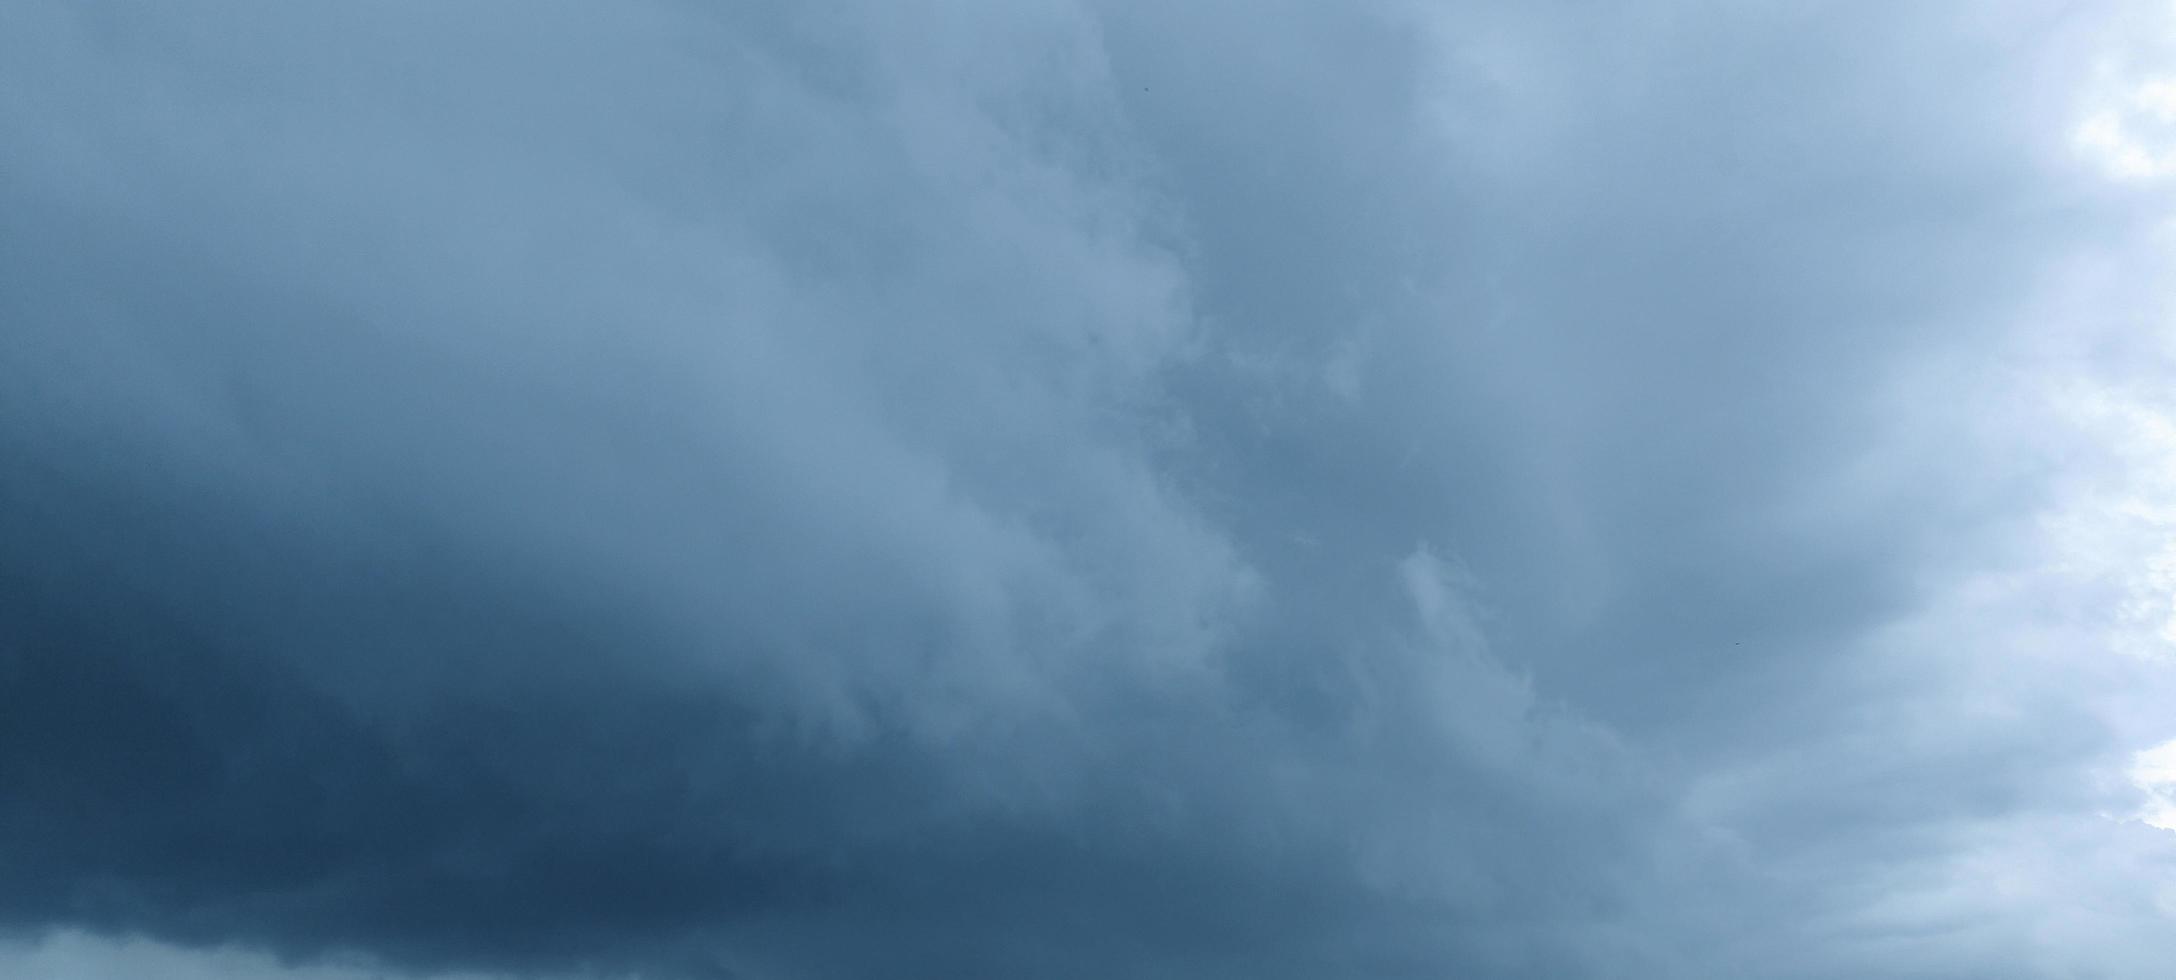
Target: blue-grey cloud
[(1051, 489)]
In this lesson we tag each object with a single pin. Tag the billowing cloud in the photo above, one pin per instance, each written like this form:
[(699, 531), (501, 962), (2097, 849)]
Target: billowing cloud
[(1081, 489)]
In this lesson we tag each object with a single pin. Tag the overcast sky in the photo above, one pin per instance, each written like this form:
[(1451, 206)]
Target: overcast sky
[(1263, 489)]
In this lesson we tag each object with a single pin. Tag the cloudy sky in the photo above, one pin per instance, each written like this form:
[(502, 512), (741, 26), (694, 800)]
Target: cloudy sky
[(1258, 489)]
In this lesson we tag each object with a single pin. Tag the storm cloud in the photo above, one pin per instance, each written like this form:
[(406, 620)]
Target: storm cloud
[(1055, 489)]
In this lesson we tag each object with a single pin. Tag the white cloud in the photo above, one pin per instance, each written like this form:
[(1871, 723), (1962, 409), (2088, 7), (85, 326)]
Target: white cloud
[(69, 955), (2154, 772)]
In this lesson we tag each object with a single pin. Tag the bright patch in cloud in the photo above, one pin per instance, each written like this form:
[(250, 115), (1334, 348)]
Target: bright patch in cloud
[(2154, 771)]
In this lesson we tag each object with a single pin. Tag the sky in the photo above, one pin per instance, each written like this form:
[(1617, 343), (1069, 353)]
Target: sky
[(749, 490)]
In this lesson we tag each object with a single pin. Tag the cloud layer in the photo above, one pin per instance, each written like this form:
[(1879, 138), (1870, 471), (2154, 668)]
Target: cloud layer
[(1075, 489)]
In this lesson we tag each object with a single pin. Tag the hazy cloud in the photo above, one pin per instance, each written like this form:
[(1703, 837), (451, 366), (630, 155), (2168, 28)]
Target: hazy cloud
[(1080, 489)]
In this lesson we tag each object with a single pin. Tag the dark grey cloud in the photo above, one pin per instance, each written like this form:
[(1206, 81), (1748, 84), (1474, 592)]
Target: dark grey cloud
[(1054, 489)]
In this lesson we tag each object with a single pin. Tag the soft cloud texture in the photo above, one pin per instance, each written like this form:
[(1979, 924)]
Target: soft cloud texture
[(1082, 489)]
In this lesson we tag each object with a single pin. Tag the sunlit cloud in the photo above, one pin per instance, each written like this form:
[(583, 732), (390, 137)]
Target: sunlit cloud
[(2154, 771)]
